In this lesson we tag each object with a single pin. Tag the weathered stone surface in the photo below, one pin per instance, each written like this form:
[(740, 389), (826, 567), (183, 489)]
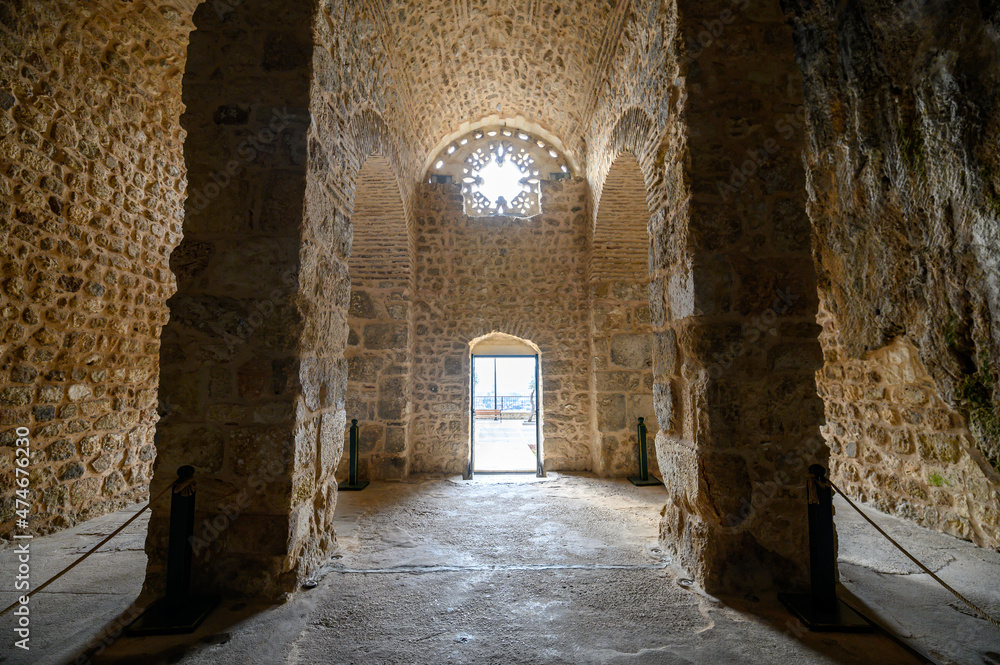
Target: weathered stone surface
[(392, 403), (71, 471), (91, 211), (381, 336), (903, 180), (16, 396), (611, 416), (632, 351)]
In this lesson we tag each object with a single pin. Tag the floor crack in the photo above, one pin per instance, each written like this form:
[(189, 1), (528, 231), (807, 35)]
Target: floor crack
[(495, 567)]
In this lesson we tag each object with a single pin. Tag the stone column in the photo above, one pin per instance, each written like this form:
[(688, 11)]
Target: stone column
[(736, 357), (237, 394)]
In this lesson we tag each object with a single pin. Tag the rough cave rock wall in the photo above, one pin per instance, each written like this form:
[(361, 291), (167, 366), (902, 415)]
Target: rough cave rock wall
[(904, 185), (522, 277), (92, 184), (621, 334)]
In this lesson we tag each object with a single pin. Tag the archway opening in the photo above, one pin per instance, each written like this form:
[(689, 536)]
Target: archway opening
[(621, 329), (378, 350), (505, 427)]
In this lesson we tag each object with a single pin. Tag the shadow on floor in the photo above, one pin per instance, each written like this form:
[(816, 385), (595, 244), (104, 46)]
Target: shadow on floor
[(560, 570), (566, 569)]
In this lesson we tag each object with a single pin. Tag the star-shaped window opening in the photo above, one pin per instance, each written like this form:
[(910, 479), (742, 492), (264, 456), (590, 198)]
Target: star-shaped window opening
[(499, 180)]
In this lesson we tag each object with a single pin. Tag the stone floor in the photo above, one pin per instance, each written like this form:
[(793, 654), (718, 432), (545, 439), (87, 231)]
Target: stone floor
[(66, 616), (907, 600), (515, 569), (504, 445)]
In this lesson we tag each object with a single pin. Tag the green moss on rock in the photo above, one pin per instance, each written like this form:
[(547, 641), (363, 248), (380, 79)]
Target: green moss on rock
[(976, 391)]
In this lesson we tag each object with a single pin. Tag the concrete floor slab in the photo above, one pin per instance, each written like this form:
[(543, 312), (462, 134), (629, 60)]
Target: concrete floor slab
[(906, 599), (567, 570), (69, 614)]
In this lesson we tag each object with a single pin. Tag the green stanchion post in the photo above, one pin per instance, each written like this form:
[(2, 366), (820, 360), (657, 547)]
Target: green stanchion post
[(643, 479), (353, 484)]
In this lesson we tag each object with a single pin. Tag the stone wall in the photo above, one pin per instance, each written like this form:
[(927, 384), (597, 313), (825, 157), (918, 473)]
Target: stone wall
[(522, 277), (91, 190), (378, 346), (621, 334), (896, 444), (903, 109)]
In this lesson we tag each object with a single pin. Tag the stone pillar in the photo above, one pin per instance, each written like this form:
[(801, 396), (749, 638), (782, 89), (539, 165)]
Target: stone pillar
[(238, 396), (736, 357)]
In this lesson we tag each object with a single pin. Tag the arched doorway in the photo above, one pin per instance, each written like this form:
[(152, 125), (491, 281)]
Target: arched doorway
[(505, 432)]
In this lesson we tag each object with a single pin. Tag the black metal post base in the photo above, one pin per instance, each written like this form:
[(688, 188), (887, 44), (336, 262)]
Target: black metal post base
[(639, 482), (165, 618), (842, 619), (353, 484)]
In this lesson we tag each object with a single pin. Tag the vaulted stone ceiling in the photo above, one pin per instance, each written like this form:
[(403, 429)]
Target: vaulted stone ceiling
[(540, 59)]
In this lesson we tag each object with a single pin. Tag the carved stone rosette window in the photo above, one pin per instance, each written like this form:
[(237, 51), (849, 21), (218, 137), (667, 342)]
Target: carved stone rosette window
[(500, 170)]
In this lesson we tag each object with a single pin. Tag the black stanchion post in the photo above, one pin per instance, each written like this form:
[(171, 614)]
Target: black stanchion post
[(822, 547), (821, 610), (643, 479), (178, 611), (179, 544), (353, 484)]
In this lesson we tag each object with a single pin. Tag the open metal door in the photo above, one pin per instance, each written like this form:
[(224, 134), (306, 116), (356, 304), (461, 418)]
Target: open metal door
[(540, 471), (472, 419)]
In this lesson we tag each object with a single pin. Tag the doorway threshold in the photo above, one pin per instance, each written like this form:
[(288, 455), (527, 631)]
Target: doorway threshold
[(486, 478)]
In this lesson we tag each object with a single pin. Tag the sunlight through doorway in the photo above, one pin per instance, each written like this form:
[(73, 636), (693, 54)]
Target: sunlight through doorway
[(505, 392)]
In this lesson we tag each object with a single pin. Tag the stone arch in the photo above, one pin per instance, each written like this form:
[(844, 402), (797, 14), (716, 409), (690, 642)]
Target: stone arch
[(379, 349), (503, 344), (633, 132), (370, 136), (501, 339), (621, 330), (517, 122)]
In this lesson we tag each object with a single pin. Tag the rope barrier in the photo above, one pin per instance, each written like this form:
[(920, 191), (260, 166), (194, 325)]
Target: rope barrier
[(912, 558), (184, 486)]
